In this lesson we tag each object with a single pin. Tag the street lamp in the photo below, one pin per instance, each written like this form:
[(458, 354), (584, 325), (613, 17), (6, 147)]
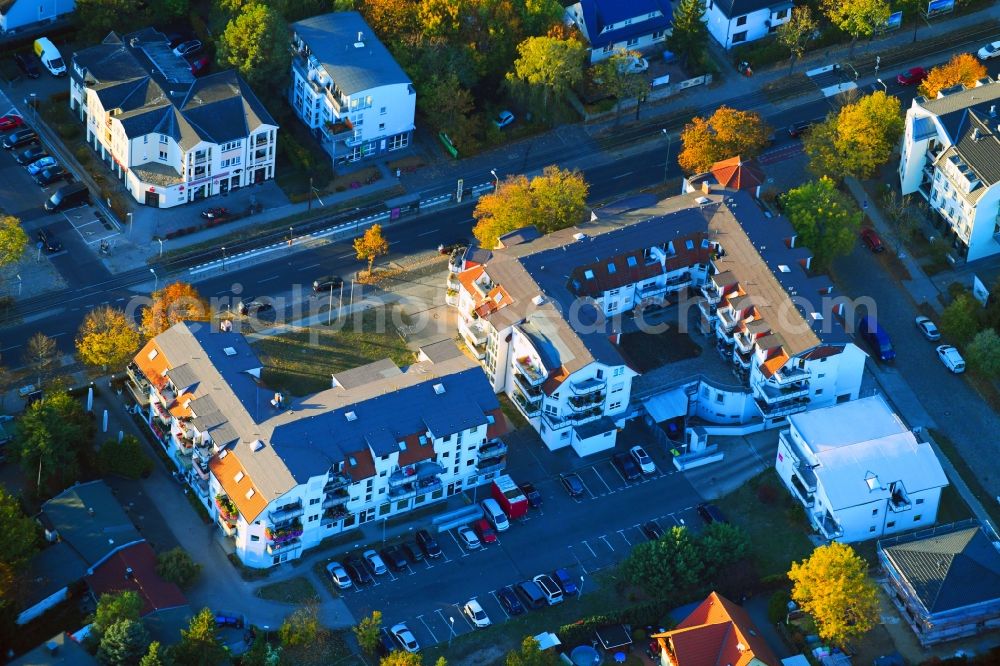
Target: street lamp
[(161, 247), (267, 632), (129, 224), (579, 593), (223, 258), (291, 237), (882, 83), (156, 279), (497, 186), (666, 161), (19, 284), (452, 634)]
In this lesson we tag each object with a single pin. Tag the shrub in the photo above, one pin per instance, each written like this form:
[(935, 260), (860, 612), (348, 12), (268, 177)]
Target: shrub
[(177, 567), (124, 458), (777, 606), (762, 52), (83, 154)]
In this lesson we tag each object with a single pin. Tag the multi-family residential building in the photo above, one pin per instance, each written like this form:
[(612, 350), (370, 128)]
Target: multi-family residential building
[(348, 89), (16, 15), (170, 137), (951, 157), (735, 22), (611, 25), (280, 475), (858, 472)]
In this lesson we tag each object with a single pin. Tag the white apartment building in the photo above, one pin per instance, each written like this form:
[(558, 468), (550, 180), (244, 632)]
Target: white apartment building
[(858, 472), (735, 22), (280, 475), (613, 25), (170, 137), (348, 89), (951, 157), (16, 15)]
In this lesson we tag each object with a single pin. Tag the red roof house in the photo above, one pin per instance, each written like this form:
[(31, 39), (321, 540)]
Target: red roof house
[(134, 568)]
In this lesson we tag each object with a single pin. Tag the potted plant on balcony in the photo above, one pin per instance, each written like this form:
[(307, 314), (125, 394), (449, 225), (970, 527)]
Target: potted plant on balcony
[(283, 534), (227, 508)]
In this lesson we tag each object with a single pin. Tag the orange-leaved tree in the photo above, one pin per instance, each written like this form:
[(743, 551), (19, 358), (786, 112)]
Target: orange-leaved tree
[(726, 133), (371, 246), (962, 68), (175, 302)]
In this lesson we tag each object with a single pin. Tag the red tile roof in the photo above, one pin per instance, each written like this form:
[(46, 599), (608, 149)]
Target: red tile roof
[(113, 576), (500, 425), (739, 174)]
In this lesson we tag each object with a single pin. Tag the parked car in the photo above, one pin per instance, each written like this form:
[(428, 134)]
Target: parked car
[(40, 164), (28, 64), (991, 50), (327, 282), (428, 544), (251, 307), (9, 123), (876, 338), (339, 576), (642, 459), (572, 483), (484, 531), (534, 497), (69, 196), (20, 137), (626, 466), (49, 242), (531, 594), (871, 238), (927, 327), (553, 593), (635, 65), (795, 130), (386, 643), (50, 175), (375, 562), (199, 65), (187, 48), (509, 601), (951, 358), (477, 616), (175, 38), (566, 582), (413, 552), (503, 119), (455, 244), (468, 538), (357, 570), (495, 515), (215, 213), (652, 530), (405, 637), (912, 76), (711, 514), (393, 555), (29, 155)]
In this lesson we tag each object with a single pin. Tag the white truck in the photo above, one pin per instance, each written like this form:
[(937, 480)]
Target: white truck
[(50, 56)]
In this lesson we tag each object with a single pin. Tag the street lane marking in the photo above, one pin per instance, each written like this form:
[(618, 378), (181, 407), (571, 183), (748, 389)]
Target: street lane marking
[(344, 256), (428, 233), (624, 175), (268, 279), (310, 266), (421, 618)]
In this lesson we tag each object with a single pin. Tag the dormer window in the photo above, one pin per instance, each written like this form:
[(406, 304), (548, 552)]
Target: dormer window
[(632, 262), (611, 269), (588, 274)]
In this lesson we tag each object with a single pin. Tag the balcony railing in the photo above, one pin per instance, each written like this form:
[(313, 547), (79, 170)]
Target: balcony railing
[(803, 494), (782, 409), (492, 449), (284, 533), (135, 374), (711, 293), (531, 391), (708, 310), (533, 373), (473, 331), (337, 498), (286, 512), (530, 407), (727, 320), (403, 492), (652, 290), (587, 386), (829, 527), (791, 373), (287, 545), (335, 102), (774, 395), (334, 514), (491, 466), (743, 342), (425, 470), (336, 481), (586, 402)]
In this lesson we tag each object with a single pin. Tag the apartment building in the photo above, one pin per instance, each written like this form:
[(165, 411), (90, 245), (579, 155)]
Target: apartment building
[(859, 472), (950, 156), (280, 475), (735, 22), (610, 25), (348, 89), (170, 137)]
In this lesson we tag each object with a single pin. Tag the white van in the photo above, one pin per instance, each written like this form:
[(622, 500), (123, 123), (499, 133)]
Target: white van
[(50, 56), (494, 514)]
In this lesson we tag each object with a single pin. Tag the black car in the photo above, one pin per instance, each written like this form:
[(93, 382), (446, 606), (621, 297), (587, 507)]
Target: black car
[(327, 282), (572, 484), (49, 175), (796, 130), (48, 241), (652, 530), (252, 307), (413, 552), (509, 601), (21, 137), (531, 594), (626, 465), (534, 497), (394, 557), (357, 570), (428, 544), (386, 643), (711, 514), (28, 64), (29, 155)]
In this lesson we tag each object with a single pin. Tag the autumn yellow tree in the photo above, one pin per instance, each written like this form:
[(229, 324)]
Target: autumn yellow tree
[(13, 240), (962, 68), (551, 65), (856, 140), (832, 585), (371, 245), (106, 338), (726, 133), (554, 200), (175, 302)]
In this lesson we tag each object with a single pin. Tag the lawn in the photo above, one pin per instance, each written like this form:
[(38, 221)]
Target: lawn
[(648, 351), (777, 527), (297, 591), (301, 361)]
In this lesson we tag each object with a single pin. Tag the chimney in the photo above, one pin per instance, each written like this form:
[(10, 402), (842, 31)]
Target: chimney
[(993, 110), (90, 512), (975, 135), (129, 573)]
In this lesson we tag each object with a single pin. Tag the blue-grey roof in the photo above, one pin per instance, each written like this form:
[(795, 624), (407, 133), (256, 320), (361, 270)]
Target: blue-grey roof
[(734, 8), (956, 102), (51, 570), (90, 520), (60, 650), (600, 13), (353, 65)]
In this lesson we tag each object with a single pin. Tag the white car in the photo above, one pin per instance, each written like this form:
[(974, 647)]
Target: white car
[(991, 50), (339, 575), (928, 328), (951, 358), (469, 538), (405, 637), (635, 65), (375, 562), (503, 119), (643, 460), (477, 616)]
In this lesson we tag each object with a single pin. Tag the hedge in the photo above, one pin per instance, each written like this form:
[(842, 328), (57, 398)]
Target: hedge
[(650, 613)]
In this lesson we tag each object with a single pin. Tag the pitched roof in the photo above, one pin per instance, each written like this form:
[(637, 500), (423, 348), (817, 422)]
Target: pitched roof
[(134, 568), (733, 8), (90, 520), (354, 66), (717, 632), (949, 570), (599, 14), (60, 650), (49, 571), (739, 174), (952, 104)]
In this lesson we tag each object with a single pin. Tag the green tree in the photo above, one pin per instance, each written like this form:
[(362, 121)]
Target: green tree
[(18, 532), (300, 628), (13, 240), (124, 643), (199, 644), (154, 656), (107, 337), (825, 220), (984, 353), (367, 631), (722, 544), (39, 354), (665, 566), (689, 37), (115, 607), (832, 585), (857, 140), (176, 566), (553, 65), (448, 107), (726, 133), (97, 18), (617, 81), (261, 653), (125, 458), (256, 44), (50, 438), (795, 33), (858, 18), (960, 320), (401, 658), (531, 654)]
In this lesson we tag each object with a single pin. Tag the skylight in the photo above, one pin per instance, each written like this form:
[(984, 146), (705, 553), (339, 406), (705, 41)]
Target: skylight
[(589, 274), (611, 269), (632, 261), (239, 476)]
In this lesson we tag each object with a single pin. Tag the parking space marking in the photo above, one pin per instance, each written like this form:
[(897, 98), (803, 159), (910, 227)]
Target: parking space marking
[(450, 625), (620, 475), (622, 532), (454, 538), (585, 487), (589, 548), (578, 560), (607, 543), (465, 617), (503, 610), (421, 618)]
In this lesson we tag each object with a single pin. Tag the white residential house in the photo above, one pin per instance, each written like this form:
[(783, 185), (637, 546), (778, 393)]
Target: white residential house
[(735, 22), (16, 15), (613, 25), (951, 157), (348, 89), (859, 472), (279, 475), (171, 137)]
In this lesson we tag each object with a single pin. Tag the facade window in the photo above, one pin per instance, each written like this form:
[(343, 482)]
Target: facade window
[(313, 519), (314, 501), (381, 127), (920, 500), (615, 405), (917, 518), (619, 372), (381, 111), (163, 138), (632, 41), (891, 523), (781, 14), (163, 155), (871, 529), (874, 512), (658, 34), (741, 20), (564, 435), (740, 37), (254, 537), (145, 138)]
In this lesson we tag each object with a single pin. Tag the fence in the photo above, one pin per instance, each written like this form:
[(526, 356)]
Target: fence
[(660, 91)]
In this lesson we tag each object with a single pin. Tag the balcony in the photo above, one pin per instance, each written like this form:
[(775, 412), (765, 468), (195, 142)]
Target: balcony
[(790, 373), (283, 534), (473, 331), (227, 508), (337, 498), (774, 395), (335, 482), (586, 402), (727, 320), (161, 413), (742, 359), (421, 471), (201, 468), (491, 465), (262, 139), (338, 104), (711, 293), (200, 486), (744, 343), (678, 281), (782, 409), (333, 515), (708, 311), (531, 372), (287, 512), (530, 406), (403, 492), (652, 290), (587, 386), (806, 497), (492, 449), (273, 548), (828, 526), (531, 391)]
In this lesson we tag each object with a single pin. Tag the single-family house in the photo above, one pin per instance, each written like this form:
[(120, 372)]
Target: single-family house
[(735, 22), (613, 25)]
